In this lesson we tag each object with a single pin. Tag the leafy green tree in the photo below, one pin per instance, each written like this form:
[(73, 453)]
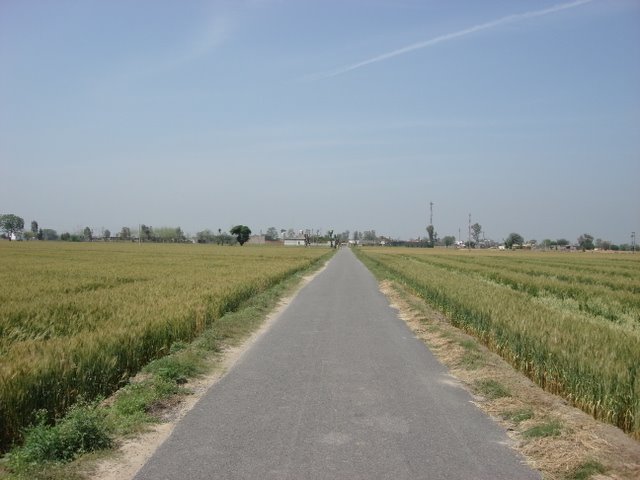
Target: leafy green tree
[(40, 235), (513, 239), (476, 230), (11, 224), (242, 233), (205, 236), (432, 235), (272, 234), (369, 236), (34, 227), (125, 233), (449, 240), (146, 233), (586, 242), (333, 242), (88, 234), (49, 234), (107, 234)]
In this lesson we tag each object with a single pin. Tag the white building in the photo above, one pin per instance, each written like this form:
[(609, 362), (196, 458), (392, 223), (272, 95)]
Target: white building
[(294, 242)]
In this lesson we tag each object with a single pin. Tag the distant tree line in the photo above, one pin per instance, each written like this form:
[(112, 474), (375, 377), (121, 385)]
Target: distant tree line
[(13, 226)]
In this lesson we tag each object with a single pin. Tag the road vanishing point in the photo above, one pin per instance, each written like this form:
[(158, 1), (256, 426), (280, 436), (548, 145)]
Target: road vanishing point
[(337, 388)]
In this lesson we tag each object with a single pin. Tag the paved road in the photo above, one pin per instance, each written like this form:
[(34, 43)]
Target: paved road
[(337, 388)]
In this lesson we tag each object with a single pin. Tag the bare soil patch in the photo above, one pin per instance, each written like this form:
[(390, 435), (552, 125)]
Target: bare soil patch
[(556, 438)]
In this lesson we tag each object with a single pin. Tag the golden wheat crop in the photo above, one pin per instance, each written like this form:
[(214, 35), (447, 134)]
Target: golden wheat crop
[(80, 319)]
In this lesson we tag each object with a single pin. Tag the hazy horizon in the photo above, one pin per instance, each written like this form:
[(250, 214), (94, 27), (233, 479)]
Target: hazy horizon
[(343, 115)]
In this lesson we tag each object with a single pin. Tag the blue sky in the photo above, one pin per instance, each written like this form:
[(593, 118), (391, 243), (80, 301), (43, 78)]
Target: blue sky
[(323, 114)]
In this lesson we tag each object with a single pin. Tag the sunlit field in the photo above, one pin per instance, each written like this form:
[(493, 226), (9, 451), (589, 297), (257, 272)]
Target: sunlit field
[(80, 319), (570, 321)]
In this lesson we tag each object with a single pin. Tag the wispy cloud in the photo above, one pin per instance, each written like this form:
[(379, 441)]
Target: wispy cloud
[(450, 36)]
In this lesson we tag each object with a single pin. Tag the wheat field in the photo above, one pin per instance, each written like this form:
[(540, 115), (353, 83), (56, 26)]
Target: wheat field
[(80, 319), (570, 321)]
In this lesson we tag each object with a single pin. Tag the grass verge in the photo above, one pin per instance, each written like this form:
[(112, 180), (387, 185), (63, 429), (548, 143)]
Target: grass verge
[(69, 447)]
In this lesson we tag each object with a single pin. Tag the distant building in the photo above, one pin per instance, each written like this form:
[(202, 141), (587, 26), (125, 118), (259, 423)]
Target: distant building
[(294, 242), (257, 240)]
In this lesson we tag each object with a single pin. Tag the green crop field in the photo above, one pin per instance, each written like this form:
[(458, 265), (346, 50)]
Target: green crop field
[(570, 321), (80, 319)]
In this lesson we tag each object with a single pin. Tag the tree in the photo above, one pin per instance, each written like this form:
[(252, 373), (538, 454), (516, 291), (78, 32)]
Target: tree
[(49, 234), (107, 234), (242, 233), (513, 239), (449, 240), (146, 233), (34, 226), (125, 233), (272, 234), (586, 242), (432, 235), (205, 236), (333, 240), (369, 236), (88, 234), (291, 233), (11, 224), (476, 230), (40, 235), (603, 244)]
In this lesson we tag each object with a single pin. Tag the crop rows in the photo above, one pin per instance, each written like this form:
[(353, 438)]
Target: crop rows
[(80, 319), (571, 322)]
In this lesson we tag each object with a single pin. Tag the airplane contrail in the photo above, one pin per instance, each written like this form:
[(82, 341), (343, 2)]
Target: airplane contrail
[(450, 36)]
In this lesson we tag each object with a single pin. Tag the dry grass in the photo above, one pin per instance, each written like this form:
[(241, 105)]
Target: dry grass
[(581, 439)]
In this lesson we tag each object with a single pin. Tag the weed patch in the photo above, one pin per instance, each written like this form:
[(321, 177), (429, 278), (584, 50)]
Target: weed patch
[(587, 470), (84, 429), (518, 416), (491, 389), (549, 429)]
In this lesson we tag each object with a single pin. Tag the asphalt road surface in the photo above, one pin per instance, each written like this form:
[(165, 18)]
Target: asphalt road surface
[(337, 388)]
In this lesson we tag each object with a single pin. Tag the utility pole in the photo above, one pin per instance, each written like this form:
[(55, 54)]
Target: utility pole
[(469, 240), (431, 213), (633, 242)]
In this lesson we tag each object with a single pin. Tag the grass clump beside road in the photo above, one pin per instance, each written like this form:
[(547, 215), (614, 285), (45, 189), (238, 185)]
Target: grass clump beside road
[(84, 429), (588, 470), (518, 416), (491, 389), (552, 428)]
